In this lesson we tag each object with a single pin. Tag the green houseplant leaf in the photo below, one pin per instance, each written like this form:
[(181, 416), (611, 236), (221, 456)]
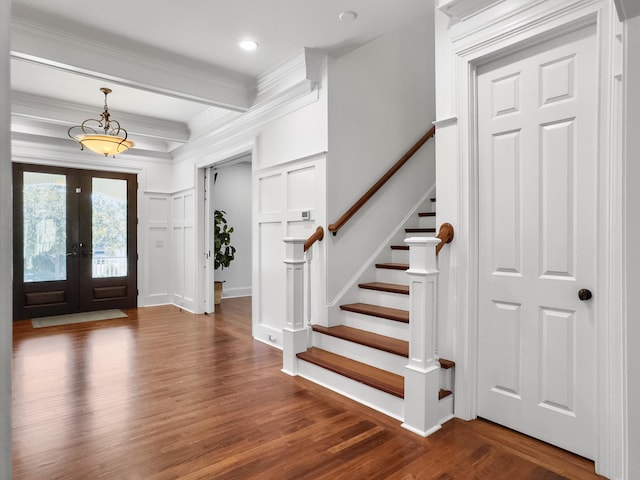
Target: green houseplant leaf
[(224, 251)]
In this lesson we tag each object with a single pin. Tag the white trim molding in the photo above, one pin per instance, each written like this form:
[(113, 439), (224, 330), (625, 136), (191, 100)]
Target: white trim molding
[(463, 9)]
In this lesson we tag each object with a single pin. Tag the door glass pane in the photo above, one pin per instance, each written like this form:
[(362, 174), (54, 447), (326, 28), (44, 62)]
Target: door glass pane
[(109, 227), (45, 226)]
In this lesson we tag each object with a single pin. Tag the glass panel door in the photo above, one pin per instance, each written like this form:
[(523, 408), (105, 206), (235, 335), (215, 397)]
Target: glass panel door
[(74, 240), (45, 242), (44, 210), (109, 227)]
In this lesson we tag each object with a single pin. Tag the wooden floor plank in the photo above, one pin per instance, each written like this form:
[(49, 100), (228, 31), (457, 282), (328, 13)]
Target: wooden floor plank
[(165, 394)]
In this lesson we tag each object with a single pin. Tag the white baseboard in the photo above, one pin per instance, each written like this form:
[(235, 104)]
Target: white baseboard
[(236, 292)]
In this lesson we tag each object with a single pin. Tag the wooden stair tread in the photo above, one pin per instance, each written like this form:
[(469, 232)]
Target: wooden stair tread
[(399, 247), (446, 364), (368, 339), (444, 394), (427, 214), (378, 311), (374, 377), (420, 230), (386, 287), (393, 266)]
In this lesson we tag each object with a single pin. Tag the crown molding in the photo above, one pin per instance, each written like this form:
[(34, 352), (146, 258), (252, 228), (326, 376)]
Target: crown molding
[(210, 120), (59, 112), (285, 88), (203, 150), (137, 65), (304, 66), (463, 9)]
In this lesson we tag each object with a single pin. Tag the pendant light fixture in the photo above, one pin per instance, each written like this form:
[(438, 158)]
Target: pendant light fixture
[(111, 142)]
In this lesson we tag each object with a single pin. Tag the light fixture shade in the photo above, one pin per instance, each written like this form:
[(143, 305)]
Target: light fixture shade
[(105, 144), (114, 139)]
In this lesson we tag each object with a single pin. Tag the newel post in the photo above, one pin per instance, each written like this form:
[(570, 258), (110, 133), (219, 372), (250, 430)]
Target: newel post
[(294, 332), (421, 384)]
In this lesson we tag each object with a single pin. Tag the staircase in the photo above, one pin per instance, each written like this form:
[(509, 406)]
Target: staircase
[(365, 356)]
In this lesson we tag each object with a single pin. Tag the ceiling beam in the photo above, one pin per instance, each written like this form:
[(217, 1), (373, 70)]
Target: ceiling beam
[(57, 112), (132, 64)]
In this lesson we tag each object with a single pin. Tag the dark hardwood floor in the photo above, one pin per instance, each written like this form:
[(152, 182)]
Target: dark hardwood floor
[(164, 394)]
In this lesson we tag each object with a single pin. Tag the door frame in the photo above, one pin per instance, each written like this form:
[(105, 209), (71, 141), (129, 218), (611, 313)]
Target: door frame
[(479, 47)]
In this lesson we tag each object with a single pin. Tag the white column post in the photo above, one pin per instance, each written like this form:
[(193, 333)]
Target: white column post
[(294, 332), (421, 381)]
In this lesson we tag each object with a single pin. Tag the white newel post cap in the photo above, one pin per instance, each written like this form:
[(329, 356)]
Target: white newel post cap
[(422, 254), (294, 249)]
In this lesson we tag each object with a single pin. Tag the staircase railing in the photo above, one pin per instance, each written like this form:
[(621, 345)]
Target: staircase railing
[(335, 227), (315, 237), (445, 234)]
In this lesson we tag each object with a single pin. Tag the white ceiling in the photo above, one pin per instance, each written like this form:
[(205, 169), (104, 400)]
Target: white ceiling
[(199, 33)]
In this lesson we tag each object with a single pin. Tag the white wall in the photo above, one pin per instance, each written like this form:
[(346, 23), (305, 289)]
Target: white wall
[(381, 101), (281, 194), (632, 80), (288, 177), (232, 194), (6, 282)]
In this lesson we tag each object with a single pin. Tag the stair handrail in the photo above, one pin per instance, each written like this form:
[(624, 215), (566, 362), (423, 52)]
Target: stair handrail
[(335, 227), (316, 236), (445, 234)]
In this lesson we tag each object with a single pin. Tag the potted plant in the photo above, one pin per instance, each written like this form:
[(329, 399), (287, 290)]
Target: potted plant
[(224, 252)]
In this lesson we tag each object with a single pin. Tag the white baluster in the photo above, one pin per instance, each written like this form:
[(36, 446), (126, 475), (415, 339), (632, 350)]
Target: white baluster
[(308, 256)]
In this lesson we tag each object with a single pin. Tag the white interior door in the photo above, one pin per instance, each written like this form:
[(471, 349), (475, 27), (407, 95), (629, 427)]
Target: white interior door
[(537, 121)]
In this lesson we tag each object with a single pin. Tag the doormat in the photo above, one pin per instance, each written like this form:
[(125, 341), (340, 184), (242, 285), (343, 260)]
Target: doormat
[(76, 318)]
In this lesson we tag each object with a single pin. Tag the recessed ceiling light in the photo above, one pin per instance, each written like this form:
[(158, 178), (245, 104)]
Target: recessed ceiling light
[(248, 45), (348, 16)]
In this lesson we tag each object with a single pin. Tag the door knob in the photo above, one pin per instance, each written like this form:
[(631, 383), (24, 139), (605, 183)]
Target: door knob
[(584, 294)]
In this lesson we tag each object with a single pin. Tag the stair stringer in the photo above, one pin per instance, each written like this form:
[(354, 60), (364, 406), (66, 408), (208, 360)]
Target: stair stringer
[(367, 273)]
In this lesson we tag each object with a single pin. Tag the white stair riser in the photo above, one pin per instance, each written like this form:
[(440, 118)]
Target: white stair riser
[(392, 276), (378, 400), (385, 299), (446, 378), (361, 353), (399, 256), (445, 409), (421, 234), (427, 222), (381, 326)]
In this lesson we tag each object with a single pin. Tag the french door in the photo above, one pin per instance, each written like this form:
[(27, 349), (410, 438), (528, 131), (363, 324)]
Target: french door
[(74, 240)]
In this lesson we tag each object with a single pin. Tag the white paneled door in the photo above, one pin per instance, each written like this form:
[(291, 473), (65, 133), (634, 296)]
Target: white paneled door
[(537, 121)]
